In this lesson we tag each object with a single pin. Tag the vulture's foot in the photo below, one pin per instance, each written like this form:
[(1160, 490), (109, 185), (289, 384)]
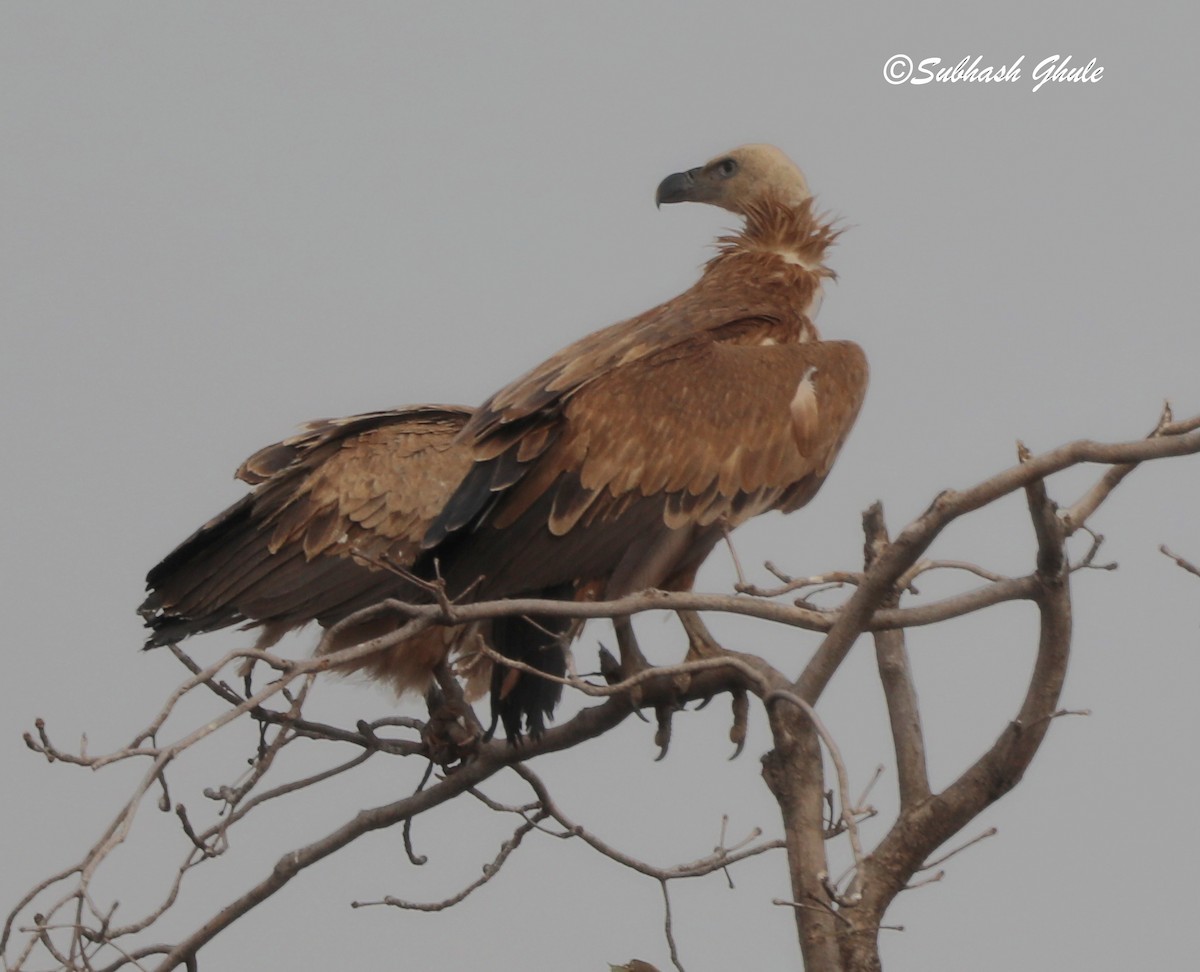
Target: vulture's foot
[(702, 644), (451, 736)]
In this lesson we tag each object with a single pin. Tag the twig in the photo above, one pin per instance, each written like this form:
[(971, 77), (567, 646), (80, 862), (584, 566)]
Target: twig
[(932, 879), (674, 951), (1088, 560), (489, 872), (990, 832), (720, 858), (1165, 429), (1185, 564), (406, 830), (862, 798), (924, 566), (821, 906), (835, 578)]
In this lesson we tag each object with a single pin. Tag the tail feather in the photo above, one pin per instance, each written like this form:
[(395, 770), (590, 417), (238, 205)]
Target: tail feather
[(539, 642)]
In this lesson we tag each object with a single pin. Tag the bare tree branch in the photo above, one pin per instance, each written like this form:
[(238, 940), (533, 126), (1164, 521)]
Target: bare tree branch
[(1083, 508), (849, 812), (895, 674), (923, 827), (881, 579), (838, 926)]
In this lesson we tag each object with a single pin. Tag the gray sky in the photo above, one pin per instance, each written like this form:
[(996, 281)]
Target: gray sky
[(219, 220)]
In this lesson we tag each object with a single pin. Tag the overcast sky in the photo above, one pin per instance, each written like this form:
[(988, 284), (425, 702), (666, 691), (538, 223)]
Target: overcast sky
[(219, 220)]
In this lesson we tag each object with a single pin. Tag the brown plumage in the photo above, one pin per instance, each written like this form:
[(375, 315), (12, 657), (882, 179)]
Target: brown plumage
[(293, 550), (621, 460), (614, 466)]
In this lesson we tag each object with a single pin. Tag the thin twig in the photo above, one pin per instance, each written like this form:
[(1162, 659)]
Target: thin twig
[(990, 832), (835, 578), (1185, 564), (489, 872), (667, 926)]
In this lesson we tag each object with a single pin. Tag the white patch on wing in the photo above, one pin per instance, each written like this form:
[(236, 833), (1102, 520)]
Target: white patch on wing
[(806, 413)]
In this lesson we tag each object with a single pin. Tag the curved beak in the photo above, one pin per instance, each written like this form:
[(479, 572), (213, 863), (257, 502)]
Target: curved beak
[(677, 187)]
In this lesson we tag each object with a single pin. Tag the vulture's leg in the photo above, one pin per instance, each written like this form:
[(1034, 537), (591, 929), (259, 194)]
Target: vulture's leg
[(655, 560), (267, 638), (632, 662), (452, 733), (646, 564), (632, 659), (701, 644)]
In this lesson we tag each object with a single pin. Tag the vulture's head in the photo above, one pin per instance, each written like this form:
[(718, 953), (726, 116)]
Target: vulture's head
[(737, 180)]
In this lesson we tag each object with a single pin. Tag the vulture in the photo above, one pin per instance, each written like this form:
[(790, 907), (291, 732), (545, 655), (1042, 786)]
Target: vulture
[(330, 507), (617, 464), (614, 466)]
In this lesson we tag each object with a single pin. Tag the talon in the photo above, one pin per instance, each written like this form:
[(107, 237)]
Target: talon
[(741, 712), (491, 729), (610, 668), (662, 738)]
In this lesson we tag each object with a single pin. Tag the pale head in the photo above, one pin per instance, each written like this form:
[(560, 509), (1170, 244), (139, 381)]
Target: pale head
[(737, 180)]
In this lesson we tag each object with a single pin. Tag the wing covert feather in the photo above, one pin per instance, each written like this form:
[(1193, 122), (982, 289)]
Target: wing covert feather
[(724, 429)]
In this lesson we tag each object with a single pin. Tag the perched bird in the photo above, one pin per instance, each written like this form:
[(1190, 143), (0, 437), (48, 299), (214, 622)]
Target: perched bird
[(618, 463), (613, 467), (330, 507)]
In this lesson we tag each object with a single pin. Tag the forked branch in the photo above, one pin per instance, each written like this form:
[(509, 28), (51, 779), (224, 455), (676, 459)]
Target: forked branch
[(838, 926)]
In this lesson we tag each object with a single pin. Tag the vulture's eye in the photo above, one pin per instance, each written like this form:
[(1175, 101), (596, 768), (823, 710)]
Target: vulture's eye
[(726, 168)]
